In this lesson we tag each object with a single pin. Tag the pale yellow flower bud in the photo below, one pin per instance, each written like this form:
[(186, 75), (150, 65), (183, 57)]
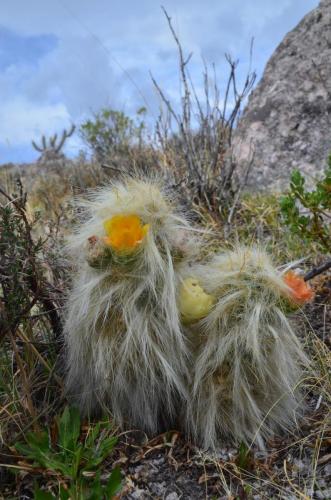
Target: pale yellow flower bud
[(194, 302)]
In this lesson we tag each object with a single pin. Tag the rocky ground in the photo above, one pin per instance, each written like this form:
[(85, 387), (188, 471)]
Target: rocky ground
[(292, 466)]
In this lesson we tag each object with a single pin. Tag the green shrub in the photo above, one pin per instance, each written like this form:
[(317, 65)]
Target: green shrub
[(111, 132), (307, 213), (74, 462)]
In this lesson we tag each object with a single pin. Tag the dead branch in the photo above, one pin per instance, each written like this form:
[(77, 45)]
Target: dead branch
[(198, 149), (318, 270), (35, 281)]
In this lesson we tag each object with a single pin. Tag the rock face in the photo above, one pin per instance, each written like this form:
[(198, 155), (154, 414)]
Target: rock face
[(287, 121)]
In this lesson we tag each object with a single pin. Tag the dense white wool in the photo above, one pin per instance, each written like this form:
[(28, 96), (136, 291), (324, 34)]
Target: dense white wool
[(125, 347), (248, 361)]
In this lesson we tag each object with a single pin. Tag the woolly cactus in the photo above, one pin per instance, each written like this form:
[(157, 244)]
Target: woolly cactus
[(152, 336), (126, 350), (247, 358)]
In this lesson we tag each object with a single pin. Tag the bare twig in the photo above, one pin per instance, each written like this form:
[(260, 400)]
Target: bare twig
[(197, 151), (39, 287), (318, 270)]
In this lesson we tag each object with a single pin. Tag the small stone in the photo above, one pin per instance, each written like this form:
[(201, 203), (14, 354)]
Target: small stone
[(172, 496)]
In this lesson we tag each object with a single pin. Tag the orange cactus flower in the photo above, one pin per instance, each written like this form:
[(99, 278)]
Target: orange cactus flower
[(124, 232), (301, 292)]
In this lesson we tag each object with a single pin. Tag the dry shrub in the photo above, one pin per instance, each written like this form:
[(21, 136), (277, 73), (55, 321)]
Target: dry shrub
[(31, 295), (196, 140)]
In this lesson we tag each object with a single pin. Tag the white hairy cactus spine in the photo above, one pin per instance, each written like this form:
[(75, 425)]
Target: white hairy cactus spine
[(248, 360), (126, 350)]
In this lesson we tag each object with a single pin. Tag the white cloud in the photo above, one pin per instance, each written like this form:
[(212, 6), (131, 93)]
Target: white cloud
[(69, 83), (77, 73), (21, 120), (106, 48)]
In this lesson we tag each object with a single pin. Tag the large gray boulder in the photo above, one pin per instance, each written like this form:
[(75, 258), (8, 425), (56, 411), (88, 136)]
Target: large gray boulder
[(287, 121)]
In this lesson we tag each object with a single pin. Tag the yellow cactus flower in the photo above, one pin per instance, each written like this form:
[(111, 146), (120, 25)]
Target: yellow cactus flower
[(194, 302), (124, 232)]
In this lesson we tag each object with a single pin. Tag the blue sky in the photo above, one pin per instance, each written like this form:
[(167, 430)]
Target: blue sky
[(60, 60)]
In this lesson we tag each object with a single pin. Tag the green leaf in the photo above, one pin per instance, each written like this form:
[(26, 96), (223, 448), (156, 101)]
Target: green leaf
[(76, 460), (243, 456), (37, 448), (114, 483), (39, 440), (106, 446), (92, 435), (303, 220), (43, 495), (95, 456), (69, 428), (64, 494), (96, 489), (297, 179), (286, 203)]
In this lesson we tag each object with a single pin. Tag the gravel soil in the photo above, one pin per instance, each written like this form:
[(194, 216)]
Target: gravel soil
[(292, 466)]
